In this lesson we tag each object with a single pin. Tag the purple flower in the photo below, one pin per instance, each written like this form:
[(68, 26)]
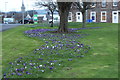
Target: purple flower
[(51, 68), (19, 74), (51, 61), (17, 70), (21, 69), (28, 72), (46, 42), (24, 64), (72, 47), (30, 60), (30, 64), (4, 74), (40, 59), (12, 73), (10, 63), (20, 58), (45, 65), (55, 61), (69, 59)]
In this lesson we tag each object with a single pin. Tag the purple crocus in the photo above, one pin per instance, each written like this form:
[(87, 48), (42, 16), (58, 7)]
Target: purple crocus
[(19, 74), (24, 64), (22, 69), (12, 73), (28, 72), (11, 63), (51, 68), (40, 59), (69, 59), (45, 65), (17, 70), (4, 74)]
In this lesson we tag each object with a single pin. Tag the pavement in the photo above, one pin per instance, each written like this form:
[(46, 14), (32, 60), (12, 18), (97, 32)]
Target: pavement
[(4, 27)]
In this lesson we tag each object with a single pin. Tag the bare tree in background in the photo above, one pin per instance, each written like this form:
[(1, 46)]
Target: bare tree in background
[(50, 4), (82, 7)]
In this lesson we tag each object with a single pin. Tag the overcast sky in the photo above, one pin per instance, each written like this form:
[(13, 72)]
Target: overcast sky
[(15, 5)]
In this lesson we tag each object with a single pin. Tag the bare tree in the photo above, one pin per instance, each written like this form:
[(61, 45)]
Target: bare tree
[(63, 8), (50, 4), (83, 6)]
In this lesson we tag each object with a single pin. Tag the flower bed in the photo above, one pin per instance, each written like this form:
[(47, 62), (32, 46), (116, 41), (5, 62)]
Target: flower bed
[(58, 50)]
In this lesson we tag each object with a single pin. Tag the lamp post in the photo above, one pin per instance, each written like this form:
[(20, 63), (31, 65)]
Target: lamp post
[(23, 11), (6, 9), (33, 11)]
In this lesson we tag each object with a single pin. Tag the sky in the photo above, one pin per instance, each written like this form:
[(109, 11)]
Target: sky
[(15, 5)]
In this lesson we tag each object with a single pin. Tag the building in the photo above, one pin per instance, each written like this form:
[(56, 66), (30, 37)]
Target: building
[(102, 12), (42, 15)]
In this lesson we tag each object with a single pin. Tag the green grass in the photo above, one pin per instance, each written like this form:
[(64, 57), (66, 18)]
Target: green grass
[(101, 62), (0, 54)]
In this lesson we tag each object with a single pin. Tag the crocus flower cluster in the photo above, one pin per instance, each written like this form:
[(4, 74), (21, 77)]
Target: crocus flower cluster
[(57, 50)]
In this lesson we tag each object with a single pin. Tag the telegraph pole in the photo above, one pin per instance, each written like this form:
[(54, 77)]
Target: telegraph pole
[(6, 9), (23, 11)]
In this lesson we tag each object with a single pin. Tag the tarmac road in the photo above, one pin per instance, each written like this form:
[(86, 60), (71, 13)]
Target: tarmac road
[(4, 27)]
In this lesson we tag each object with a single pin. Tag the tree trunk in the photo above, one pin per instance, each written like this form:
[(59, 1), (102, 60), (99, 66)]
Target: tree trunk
[(52, 20), (63, 8), (63, 23), (84, 19)]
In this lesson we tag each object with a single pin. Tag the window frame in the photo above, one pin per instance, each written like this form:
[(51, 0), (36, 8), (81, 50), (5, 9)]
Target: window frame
[(91, 16), (105, 16), (115, 1), (104, 1), (94, 4), (70, 16)]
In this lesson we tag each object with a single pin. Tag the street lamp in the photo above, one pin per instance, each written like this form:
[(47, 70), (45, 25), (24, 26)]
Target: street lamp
[(33, 11), (6, 9), (23, 11)]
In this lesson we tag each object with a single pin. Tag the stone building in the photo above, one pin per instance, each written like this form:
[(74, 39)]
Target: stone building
[(102, 12)]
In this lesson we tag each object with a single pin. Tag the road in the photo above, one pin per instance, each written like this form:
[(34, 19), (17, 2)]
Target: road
[(4, 27)]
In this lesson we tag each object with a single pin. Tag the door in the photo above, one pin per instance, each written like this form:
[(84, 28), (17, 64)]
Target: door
[(115, 17), (78, 17), (70, 17), (93, 16)]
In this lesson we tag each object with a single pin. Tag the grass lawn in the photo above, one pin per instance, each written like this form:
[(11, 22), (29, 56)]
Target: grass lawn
[(100, 62), (1, 55)]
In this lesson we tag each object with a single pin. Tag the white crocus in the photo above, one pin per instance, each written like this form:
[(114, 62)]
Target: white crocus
[(52, 63), (40, 65)]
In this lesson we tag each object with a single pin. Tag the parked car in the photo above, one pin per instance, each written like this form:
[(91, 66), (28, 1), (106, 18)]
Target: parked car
[(31, 21), (25, 21)]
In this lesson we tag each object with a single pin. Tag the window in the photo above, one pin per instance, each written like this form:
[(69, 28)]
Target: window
[(93, 4), (103, 3), (70, 17), (115, 13), (56, 18), (78, 13), (115, 2), (78, 17), (93, 16), (103, 16)]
